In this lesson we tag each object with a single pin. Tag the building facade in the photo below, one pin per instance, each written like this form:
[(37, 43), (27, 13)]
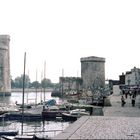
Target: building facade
[(5, 80), (132, 77), (93, 72), (122, 79), (70, 84)]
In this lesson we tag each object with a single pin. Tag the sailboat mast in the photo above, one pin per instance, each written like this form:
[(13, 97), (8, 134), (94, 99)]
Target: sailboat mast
[(23, 93), (44, 69), (36, 89), (44, 77), (62, 83), (41, 87), (28, 89)]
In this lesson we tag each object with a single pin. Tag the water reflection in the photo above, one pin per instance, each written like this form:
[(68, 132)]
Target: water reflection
[(35, 127), (31, 97)]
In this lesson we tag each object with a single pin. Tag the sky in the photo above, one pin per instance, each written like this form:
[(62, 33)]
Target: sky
[(60, 32)]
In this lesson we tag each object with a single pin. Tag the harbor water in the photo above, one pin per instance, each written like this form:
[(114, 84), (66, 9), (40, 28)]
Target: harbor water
[(43, 128)]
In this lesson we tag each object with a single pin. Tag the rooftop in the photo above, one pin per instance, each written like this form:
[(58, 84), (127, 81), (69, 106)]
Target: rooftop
[(92, 59)]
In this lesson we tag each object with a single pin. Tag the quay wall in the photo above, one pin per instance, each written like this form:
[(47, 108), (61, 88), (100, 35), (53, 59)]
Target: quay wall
[(32, 90)]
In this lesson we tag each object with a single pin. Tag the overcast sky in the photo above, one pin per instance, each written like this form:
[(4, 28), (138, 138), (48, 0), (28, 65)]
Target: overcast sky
[(60, 32)]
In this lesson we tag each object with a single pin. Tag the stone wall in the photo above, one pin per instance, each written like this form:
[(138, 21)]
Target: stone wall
[(70, 83), (93, 71), (5, 82)]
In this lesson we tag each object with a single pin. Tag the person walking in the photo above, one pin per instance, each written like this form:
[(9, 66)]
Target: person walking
[(133, 100), (123, 101)]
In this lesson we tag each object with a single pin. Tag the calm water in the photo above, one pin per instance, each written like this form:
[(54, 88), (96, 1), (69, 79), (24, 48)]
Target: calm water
[(37, 127), (28, 98)]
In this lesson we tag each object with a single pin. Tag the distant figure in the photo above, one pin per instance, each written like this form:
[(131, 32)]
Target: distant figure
[(123, 100), (130, 93), (91, 111), (133, 100), (135, 93), (43, 107), (123, 92), (126, 94), (16, 102)]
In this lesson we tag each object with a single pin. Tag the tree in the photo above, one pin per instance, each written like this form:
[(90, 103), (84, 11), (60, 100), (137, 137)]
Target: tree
[(19, 81), (12, 83), (35, 84), (46, 83)]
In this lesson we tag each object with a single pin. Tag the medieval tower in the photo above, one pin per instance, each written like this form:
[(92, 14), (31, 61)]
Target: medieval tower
[(93, 72), (5, 81)]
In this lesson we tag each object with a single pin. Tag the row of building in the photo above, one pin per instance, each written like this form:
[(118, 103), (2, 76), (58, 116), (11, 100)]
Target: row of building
[(130, 78), (128, 81), (93, 77)]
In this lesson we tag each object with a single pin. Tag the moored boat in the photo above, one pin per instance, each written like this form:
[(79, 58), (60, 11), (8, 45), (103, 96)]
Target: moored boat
[(50, 102), (56, 93), (73, 115), (53, 112), (8, 133)]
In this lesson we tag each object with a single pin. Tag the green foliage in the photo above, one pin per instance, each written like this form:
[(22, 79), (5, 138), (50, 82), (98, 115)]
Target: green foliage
[(57, 86), (12, 83), (18, 82), (45, 83), (35, 84)]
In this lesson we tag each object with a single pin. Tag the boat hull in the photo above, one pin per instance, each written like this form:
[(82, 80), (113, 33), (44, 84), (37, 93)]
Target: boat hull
[(8, 133), (51, 115), (68, 117), (56, 93), (18, 116)]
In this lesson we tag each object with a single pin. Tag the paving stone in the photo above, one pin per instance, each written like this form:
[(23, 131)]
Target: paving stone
[(117, 123)]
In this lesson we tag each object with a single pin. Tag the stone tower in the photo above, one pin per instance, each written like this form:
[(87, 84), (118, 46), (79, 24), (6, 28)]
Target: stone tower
[(5, 80), (93, 72)]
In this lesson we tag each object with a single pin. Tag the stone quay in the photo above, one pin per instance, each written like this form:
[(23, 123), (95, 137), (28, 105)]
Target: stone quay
[(117, 122)]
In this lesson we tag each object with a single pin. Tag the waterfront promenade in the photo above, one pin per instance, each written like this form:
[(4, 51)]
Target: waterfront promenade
[(117, 123)]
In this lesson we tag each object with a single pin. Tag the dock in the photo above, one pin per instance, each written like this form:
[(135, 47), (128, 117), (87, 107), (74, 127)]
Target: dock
[(117, 122)]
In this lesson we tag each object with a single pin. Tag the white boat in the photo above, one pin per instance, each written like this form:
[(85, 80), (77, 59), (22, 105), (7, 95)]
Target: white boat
[(73, 115)]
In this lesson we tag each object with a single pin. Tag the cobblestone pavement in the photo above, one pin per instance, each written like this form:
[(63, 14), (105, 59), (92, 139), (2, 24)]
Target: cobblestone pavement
[(117, 123), (116, 101), (117, 110), (108, 128)]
